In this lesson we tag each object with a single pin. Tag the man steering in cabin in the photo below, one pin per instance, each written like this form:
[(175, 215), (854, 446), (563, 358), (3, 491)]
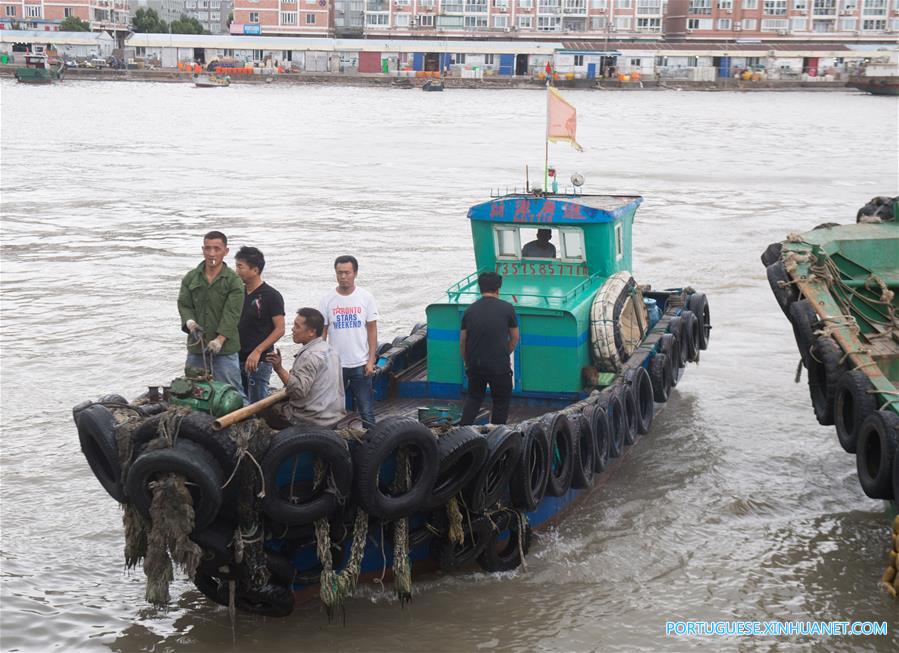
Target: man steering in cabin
[(315, 391), (540, 248), (210, 302)]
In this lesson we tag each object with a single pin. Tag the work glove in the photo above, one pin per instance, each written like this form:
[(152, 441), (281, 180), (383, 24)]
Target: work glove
[(214, 346)]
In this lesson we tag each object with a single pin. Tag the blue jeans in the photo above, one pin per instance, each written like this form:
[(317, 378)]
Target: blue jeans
[(255, 384), (225, 368), (359, 388)]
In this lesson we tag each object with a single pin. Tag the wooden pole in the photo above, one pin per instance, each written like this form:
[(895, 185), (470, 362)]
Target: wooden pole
[(248, 411)]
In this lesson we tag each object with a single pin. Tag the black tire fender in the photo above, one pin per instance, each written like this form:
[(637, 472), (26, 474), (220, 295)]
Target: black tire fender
[(772, 254), (631, 416), (291, 447), (804, 321), (453, 557), (97, 436), (528, 482), (199, 468), (505, 543), (824, 371), (270, 600), (692, 337), (878, 440), (503, 456), (602, 432), (784, 291), (561, 454), (853, 403), (660, 377), (462, 453), (669, 345), (698, 304), (379, 446), (641, 386), (680, 355), (584, 451), (610, 401)]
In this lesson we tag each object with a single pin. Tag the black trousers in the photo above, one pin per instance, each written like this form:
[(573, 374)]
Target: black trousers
[(500, 389)]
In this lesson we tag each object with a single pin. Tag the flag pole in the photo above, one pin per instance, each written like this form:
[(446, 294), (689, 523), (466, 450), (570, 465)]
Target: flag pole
[(546, 143)]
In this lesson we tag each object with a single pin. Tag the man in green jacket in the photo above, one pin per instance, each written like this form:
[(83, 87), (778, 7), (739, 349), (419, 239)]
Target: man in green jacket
[(210, 302)]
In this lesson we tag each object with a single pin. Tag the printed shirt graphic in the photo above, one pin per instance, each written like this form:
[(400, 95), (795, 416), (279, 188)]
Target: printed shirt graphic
[(345, 317)]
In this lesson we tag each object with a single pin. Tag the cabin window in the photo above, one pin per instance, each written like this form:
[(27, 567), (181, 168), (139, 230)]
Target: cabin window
[(619, 242), (572, 244), (506, 242), (539, 242)]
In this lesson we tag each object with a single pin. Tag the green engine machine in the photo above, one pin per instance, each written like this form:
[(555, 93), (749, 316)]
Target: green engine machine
[(198, 392)]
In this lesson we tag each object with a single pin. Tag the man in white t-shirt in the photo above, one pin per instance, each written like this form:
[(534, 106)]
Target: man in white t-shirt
[(351, 327)]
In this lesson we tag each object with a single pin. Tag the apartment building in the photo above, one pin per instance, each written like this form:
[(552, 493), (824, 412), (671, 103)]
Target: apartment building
[(211, 14), (649, 20), (167, 10), (107, 15)]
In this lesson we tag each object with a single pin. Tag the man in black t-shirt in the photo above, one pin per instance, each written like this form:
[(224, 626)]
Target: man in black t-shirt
[(489, 334), (261, 323)]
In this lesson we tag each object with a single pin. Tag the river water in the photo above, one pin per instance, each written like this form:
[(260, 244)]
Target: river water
[(736, 506)]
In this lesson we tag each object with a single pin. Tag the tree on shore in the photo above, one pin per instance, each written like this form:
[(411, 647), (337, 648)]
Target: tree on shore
[(74, 24), (147, 21), (187, 25)]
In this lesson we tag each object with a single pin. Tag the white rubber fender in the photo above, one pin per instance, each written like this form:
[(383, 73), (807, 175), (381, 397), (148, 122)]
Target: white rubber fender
[(617, 321)]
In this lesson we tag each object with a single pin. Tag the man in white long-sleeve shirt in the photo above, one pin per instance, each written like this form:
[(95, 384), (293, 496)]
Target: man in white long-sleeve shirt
[(315, 391)]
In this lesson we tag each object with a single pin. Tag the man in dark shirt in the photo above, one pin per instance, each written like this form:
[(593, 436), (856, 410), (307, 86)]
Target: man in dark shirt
[(540, 248), (261, 323), (489, 334)]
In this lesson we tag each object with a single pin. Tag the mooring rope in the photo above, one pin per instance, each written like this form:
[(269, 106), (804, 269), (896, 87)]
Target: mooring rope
[(336, 587), (402, 567), (242, 434)]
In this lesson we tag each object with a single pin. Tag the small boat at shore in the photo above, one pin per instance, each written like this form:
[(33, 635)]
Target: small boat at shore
[(838, 286), (878, 77), (211, 81), (38, 69), (433, 85), (259, 518)]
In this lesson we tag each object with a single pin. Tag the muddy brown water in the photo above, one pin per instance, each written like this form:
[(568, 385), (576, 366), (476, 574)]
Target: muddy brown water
[(736, 506)]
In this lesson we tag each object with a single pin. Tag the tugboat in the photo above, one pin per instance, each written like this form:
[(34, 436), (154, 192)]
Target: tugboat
[(259, 518), (837, 285), (211, 81), (39, 70), (879, 76)]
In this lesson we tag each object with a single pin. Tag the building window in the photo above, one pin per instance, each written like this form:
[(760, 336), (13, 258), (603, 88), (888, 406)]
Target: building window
[(68, 12), (599, 4), (401, 20), (824, 7), (549, 23), (459, 58), (750, 4), (578, 60), (426, 4), (489, 59), (288, 18), (254, 16), (501, 3), (526, 4), (774, 24), (724, 23), (525, 22), (33, 11), (848, 24), (775, 7), (700, 7), (699, 23), (599, 22), (726, 5), (874, 8), (426, 21), (749, 24), (501, 21), (800, 5), (623, 23), (798, 24), (623, 4), (377, 19), (850, 5), (310, 19), (10, 10), (874, 25), (650, 7), (649, 24), (475, 22)]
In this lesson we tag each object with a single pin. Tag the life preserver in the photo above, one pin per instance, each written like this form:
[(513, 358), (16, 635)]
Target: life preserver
[(561, 454), (381, 448), (878, 441), (852, 406), (617, 321), (462, 453), (199, 468), (97, 436), (528, 483), (291, 495), (584, 451), (503, 454)]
